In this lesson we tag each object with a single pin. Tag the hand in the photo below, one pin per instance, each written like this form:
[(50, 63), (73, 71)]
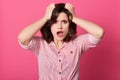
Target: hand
[(70, 8), (49, 10)]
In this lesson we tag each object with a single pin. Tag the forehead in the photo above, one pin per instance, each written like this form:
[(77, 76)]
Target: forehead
[(62, 15)]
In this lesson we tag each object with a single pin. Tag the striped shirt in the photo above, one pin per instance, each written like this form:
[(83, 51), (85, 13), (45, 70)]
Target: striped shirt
[(63, 63)]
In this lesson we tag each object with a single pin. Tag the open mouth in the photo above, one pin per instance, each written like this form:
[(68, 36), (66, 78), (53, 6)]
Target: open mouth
[(60, 33)]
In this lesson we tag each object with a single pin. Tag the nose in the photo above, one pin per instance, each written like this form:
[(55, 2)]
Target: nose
[(60, 25)]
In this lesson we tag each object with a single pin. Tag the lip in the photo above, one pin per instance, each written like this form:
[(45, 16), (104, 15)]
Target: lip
[(60, 33)]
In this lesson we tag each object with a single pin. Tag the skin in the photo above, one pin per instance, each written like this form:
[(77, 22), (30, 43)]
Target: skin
[(95, 30), (29, 32), (62, 24)]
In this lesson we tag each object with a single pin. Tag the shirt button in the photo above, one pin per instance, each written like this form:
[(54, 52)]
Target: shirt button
[(60, 72), (58, 52), (59, 60), (71, 52)]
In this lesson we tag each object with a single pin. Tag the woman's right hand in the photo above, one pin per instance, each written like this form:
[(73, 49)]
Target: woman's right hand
[(49, 10)]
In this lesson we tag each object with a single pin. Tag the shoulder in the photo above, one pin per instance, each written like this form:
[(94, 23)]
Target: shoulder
[(81, 37), (86, 38), (37, 39)]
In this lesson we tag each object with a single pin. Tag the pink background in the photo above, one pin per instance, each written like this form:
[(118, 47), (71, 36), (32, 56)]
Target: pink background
[(100, 63)]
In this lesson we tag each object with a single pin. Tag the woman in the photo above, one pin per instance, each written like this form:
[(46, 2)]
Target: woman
[(59, 49)]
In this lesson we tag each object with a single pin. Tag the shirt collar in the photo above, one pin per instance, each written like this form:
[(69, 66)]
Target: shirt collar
[(52, 44)]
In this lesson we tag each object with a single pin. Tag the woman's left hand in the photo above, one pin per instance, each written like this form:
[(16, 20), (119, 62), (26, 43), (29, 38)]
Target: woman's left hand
[(70, 8)]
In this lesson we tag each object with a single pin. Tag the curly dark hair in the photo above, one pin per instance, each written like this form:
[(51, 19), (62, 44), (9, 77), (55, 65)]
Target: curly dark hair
[(46, 29)]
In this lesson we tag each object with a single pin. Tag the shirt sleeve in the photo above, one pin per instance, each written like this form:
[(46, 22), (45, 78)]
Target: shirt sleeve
[(87, 41), (33, 45)]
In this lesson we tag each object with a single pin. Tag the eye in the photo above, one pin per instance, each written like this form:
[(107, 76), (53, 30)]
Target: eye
[(65, 21)]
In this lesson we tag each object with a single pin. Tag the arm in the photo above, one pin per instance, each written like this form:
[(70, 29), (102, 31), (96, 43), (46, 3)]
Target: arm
[(92, 28), (28, 33)]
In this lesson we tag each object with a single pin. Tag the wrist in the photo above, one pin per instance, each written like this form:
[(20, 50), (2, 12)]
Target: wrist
[(44, 19), (74, 19)]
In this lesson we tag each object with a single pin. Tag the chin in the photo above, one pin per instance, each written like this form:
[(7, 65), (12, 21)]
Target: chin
[(60, 39)]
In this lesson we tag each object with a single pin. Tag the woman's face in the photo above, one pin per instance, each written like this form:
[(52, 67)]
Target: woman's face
[(60, 28)]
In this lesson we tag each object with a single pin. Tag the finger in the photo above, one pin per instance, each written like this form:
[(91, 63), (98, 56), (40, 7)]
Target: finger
[(69, 5)]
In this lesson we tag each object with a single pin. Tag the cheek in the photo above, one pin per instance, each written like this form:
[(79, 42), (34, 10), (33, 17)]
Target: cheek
[(66, 27), (53, 29)]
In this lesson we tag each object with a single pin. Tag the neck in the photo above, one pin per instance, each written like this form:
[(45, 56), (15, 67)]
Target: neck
[(58, 44)]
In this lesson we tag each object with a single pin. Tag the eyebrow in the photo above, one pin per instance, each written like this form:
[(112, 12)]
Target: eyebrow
[(63, 19)]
